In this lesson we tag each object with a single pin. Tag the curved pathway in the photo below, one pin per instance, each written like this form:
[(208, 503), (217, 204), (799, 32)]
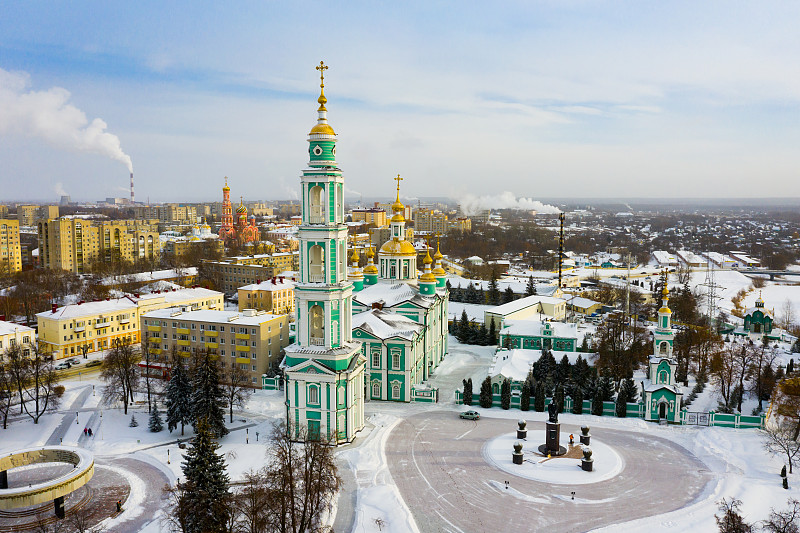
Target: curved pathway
[(437, 463)]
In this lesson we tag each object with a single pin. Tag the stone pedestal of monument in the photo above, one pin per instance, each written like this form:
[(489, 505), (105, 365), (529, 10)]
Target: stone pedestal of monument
[(587, 461), (522, 433), (516, 457), (552, 445), (585, 437)]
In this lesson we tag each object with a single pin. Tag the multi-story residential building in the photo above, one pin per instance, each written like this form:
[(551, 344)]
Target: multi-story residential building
[(10, 250), (3, 211), (408, 210), (371, 215), (252, 339), (46, 212), (75, 243), (27, 214), (233, 272), (91, 326), (434, 221), (16, 334), (167, 213), (274, 295)]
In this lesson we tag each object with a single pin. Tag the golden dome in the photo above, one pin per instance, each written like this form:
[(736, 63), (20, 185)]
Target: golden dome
[(322, 128), (428, 276), (370, 253), (665, 292), (398, 247), (397, 218), (241, 210), (439, 272), (226, 188), (354, 257), (665, 310), (371, 269), (427, 259), (438, 255)]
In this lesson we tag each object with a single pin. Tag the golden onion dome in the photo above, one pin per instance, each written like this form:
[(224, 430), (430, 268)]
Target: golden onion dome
[(665, 292), (438, 255), (354, 256), (439, 272), (398, 247), (322, 128), (666, 310), (397, 218), (370, 269), (370, 253), (226, 188), (427, 259), (428, 276)]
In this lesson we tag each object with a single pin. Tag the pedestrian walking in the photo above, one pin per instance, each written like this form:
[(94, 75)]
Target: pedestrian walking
[(90, 432), (84, 432), (119, 506)]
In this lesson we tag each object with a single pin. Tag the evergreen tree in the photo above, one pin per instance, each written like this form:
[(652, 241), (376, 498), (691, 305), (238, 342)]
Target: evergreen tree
[(467, 391), (563, 370), (581, 371), (530, 289), (508, 295), (731, 521), (790, 366), (486, 393), (492, 334), (525, 396), (208, 398), (493, 296), (155, 425), (134, 423), (631, 390), (584, 344), (505, 394), (178, 394), (604, 393), (507, 343), (471, 295), (597, 405), (483, 335), (622, 404), (463, 327), (577, 401), (205, 499), (538, 398)]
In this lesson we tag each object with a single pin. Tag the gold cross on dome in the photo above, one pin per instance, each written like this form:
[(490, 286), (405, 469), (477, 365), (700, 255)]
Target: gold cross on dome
[(398, 179), (322, 68)]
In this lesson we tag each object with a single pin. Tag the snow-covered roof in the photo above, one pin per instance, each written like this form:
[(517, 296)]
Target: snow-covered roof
[(211, 316), (764, 310), (146, 277), (657, 386), (533, 328), (515, 364), (583, 303), (390, 294), (9, 328), (385, 325), (270, 285), (524, 303)]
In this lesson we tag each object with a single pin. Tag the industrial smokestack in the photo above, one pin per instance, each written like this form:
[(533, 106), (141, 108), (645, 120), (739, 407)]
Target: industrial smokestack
[(132, 196)]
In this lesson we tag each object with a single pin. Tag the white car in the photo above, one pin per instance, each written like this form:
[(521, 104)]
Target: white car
[(63, 366)]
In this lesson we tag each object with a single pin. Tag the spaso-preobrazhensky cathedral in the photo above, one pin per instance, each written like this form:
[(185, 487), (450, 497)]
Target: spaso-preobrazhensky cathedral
[(375, 334)]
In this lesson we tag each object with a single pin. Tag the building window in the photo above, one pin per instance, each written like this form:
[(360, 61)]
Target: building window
[(376, 389), (313, 395), (376, 359), (395, 391), (395, 360)]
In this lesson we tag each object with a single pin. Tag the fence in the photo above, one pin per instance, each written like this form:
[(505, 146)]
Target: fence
[(271, 383), (424, 394), (637, 410)]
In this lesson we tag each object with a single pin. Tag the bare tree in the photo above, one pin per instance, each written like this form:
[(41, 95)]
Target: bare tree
[(19, 368), (121, 373), (731, 521), (81, 522), (787, 521), (176, 518), (236, 386), (779, 440), (252, 503), (7, 392), (146, 355), (723, 371), (761, 373), (787, 314), (788, 402), (40, 393)]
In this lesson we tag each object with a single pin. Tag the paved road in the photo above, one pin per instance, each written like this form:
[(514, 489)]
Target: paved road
[(68, 419), (154, 481), (436, 461)]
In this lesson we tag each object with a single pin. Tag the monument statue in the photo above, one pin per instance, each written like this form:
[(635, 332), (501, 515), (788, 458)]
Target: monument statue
[(552, 410)]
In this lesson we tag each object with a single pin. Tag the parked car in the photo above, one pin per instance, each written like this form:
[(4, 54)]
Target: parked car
[(63, 366), (74, 361), (470, 415), (93, 363)]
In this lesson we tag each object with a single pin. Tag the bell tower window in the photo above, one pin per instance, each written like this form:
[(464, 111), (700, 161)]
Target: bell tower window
[(316, 326), (316, 264), (315, 204)]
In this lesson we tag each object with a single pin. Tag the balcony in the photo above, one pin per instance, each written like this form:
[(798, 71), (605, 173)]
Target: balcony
[(242, 348), (316, 219), (98, 325), (243, 336), (243, 360), (182, 331), (125, 321), (183, 343), (80, 329), (316, 341), (210, 333), (153, 328), (316, 278), (212, 345), (154, 340)]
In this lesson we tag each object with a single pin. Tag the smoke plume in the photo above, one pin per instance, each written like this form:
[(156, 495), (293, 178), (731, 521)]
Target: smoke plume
[(49, 115), (472, 205), (59, 189)]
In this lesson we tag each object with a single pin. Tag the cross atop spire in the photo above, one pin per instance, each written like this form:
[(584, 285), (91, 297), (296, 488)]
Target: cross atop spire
[(398, 179), (322, 68)]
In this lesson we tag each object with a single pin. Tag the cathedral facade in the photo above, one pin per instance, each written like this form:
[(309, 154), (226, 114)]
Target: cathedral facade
[(242, 230)]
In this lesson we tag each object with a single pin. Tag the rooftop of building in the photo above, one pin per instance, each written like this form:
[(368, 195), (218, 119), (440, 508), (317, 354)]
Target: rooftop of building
[(274, 284), (248, 317), (385, 325), (524, 303), (533, 328), (8, 328)]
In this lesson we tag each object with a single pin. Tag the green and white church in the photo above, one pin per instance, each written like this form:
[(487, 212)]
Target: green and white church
[(662, 395), (324, 369)]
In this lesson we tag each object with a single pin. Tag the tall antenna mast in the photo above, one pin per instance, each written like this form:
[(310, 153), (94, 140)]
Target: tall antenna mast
[(560, 247)]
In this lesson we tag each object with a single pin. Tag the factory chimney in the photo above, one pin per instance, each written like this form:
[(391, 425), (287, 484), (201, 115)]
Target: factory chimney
[(132, 197)]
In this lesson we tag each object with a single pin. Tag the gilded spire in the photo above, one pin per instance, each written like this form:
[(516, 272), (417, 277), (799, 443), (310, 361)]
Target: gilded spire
[(322, 126), (226, 188), (398, 206), (438, 255), (322, 67)]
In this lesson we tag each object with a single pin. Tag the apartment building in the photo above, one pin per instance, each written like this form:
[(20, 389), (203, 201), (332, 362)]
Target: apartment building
[(274, 295), (12, 334), (434, 221), (75, 243), (10, 249), (27, 214), (68, 330), (167, 213), (251, 339), (370, 216), (233, 272)]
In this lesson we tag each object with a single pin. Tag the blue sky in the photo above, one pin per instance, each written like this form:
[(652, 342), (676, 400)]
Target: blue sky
[(543, 99)]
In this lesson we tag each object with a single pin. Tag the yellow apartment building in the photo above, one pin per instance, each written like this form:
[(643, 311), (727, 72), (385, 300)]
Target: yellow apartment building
[(16, 334), (10, 250), (75, 243), (251, 339), (27, 214), (274, 295), (64, 331), (370, 215), (233, 272)]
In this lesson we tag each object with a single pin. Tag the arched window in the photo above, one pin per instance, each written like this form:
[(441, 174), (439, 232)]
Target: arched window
[(316, 326), (316, 211), (376, 389), (395, 360), (495, 388), (316, 264), (662, 348), (396, 391)]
